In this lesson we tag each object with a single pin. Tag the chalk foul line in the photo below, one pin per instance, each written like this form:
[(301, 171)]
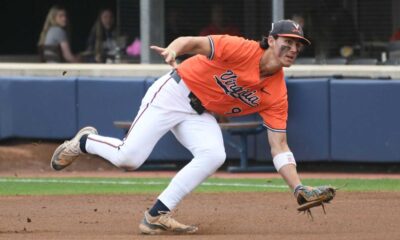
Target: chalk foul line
[(125, 182)]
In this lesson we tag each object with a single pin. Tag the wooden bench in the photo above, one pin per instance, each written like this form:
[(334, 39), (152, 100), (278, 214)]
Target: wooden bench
[(241, 129)]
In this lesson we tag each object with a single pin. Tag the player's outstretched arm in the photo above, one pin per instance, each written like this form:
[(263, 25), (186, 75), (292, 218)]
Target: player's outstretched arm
[(283, 158), (307, 197), (184, 45)]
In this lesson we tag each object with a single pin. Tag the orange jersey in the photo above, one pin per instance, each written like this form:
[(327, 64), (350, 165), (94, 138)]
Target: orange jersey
[(228, 81)]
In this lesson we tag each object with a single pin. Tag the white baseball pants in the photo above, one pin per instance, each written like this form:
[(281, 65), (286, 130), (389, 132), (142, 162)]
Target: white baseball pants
[(166, 107)]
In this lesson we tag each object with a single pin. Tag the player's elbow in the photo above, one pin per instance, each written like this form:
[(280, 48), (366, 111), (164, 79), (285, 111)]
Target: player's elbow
[(279, 147), (277, 142)]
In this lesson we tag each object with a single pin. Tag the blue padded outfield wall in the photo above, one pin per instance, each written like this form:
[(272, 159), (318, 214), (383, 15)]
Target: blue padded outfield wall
[(365, 120), (33, 107), (329, 120), (308, 125)]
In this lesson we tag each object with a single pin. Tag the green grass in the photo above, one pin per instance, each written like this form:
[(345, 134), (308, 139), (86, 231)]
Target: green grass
[(65, 186)]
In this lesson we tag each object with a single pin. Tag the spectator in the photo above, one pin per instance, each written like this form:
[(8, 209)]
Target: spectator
[(102, 41), (218, 24), (53, 42)]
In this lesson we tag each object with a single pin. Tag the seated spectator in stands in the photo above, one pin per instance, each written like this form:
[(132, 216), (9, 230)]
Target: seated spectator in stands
[(53, 41), (395, 36), (102, 41), (218, 24)]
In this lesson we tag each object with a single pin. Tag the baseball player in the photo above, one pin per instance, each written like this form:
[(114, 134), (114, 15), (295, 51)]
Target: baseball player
[(227, 75)]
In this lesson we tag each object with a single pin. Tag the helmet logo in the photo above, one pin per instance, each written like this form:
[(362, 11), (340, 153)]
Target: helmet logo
[(296, 28)]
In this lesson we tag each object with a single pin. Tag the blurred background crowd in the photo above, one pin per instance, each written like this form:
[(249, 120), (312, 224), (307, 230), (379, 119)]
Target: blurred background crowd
[(108, 31)]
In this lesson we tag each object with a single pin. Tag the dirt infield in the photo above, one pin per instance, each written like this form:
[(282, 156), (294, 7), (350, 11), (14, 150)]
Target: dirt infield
[(247, 216), (219, 216)]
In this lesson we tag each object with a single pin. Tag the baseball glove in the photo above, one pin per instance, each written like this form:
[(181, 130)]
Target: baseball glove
[(309, 197)]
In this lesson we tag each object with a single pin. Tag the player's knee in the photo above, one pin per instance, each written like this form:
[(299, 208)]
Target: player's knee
[(220, 158), (215, 157), (128, 161)]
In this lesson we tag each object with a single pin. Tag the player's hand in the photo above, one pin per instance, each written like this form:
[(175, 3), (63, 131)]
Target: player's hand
[(309, 197), (168, 55)]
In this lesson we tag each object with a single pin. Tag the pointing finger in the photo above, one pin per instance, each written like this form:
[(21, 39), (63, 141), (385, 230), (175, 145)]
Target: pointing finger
[(157, 49)]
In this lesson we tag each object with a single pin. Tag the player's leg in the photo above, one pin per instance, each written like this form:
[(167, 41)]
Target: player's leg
[(163, 107), (143, 135), (202, 136), (151, 123), (130, 153)]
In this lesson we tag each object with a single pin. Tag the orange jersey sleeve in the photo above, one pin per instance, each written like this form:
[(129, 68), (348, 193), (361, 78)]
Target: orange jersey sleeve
[(229, 48), (275, 117)]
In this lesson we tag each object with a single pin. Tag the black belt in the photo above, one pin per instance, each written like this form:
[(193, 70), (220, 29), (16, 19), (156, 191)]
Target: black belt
[(194, 101)]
